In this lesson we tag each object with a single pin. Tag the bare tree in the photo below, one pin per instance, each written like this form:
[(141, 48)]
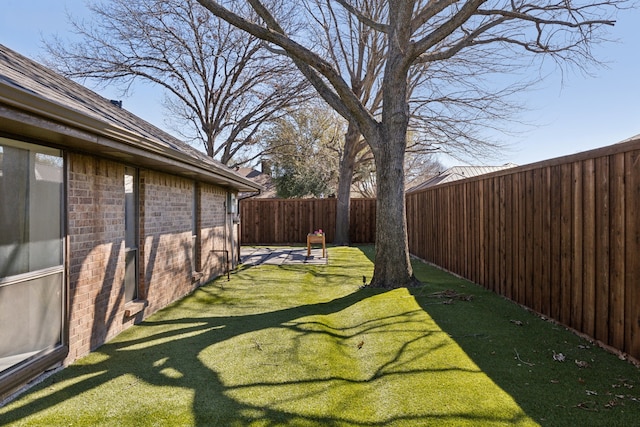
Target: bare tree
[(357, 51), (219, 80), (419, 33), (448, 103)]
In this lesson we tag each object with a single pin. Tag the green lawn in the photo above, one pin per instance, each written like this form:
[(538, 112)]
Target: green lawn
[(299, 345)]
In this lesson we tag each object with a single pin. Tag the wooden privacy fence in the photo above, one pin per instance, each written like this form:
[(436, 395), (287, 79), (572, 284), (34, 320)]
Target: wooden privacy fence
[(285, 221), (561, 237)]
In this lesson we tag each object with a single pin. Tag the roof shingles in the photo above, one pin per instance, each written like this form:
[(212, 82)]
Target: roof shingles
[(29, 78)]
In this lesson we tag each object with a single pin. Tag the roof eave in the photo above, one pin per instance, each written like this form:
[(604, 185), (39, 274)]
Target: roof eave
[(85, 133)]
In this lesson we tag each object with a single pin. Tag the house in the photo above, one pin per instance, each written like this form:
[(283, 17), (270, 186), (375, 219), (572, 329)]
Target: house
[(459, 172), (262, 178), (104, 219)]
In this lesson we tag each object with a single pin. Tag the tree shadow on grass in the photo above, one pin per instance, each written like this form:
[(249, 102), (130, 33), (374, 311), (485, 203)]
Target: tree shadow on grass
[(516, 349), (234, 370), (174, 348)]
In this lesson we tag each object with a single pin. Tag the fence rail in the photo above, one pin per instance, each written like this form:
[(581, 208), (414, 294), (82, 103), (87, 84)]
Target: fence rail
[(561, 237)]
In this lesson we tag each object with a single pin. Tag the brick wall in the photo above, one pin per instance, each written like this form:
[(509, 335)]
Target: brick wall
[(96, 255), (166, 231), (213, 230)]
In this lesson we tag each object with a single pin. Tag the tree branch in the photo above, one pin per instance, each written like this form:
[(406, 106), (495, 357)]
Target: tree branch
[(447, 28), (378, 26), (341, 98)]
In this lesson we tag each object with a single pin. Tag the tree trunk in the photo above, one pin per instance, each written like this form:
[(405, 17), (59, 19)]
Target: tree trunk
[(209, 143), (347, 166), (392, 264)]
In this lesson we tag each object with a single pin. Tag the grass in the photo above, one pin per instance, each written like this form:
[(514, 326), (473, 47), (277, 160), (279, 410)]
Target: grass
[(297, 345)]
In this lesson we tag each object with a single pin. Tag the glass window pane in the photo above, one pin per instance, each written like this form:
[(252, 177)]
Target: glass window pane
[(130, 208), (14, 215), (30, 318), (45, 198), (30, 213)]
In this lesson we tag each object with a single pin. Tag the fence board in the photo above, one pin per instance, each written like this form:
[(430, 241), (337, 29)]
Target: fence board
[(501, 268), (472, 227), (566, 240), (509, 235), (632, 260), (529, 249), (617, 252), (521, 234), (601, 291), (577, 252), (555, 242), (589, 253)]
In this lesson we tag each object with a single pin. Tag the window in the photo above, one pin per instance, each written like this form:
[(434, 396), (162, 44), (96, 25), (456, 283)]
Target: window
[(131, 233), (194, 230), (31, 251), (30, 212)]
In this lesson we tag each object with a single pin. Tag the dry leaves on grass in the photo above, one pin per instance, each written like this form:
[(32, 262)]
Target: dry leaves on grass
[(449, 295), (620, 397)]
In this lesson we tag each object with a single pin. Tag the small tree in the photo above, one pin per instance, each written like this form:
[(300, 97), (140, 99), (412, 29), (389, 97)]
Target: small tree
[(302, 148), (421, 33), (221, 84)]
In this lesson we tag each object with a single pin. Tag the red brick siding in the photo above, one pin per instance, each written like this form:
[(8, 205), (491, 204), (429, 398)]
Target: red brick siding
[(96, 252), (212, 230), (167, 244), (96, 258)]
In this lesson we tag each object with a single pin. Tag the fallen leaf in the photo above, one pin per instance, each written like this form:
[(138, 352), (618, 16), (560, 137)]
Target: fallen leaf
[(613, 403), (591, 393), (516, 322), (559, 357), (588, 406), (582, 364)]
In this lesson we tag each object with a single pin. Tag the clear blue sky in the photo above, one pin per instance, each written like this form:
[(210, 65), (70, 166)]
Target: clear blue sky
[(581, 114)]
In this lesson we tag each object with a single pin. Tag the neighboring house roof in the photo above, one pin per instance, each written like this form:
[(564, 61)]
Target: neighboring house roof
[(261, 178), (633, 138), (459, 172), (38, 103)]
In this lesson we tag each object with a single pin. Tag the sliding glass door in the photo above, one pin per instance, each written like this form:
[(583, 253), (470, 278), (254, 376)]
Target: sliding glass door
[(31, 252)]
